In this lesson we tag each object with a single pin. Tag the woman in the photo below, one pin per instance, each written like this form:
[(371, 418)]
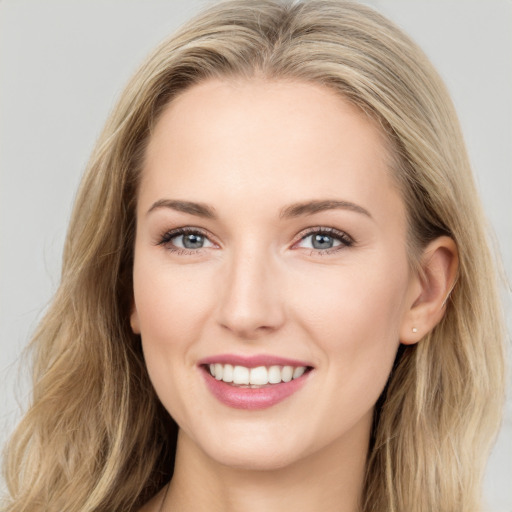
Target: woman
[(278, 244)]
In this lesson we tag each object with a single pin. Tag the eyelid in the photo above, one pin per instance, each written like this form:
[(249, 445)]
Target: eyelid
[(165, 238), (335, 233)]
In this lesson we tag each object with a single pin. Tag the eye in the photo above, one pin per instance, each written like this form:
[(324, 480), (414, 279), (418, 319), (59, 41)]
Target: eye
[(185, 238), (325, 240)]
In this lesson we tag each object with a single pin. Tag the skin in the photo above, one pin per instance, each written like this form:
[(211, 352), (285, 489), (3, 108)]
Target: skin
[(249, 149)]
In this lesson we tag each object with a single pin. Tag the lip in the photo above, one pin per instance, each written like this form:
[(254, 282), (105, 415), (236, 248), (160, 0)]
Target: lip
[(252, 398)]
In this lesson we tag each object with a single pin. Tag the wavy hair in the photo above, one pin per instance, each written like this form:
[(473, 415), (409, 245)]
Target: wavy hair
[(96, 438)]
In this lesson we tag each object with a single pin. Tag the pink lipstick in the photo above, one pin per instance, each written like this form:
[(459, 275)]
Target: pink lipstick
[(253, 382)]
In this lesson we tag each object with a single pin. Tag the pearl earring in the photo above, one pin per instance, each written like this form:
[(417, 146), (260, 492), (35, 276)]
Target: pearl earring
[(414, 329)]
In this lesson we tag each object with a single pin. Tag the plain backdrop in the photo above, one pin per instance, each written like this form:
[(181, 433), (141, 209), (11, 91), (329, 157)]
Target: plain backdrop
[(64, 63)]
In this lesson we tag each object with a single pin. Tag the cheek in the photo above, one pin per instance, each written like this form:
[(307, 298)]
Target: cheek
[(347, 302), (169, 303), (354, 316), (354, 321), (171, 307)]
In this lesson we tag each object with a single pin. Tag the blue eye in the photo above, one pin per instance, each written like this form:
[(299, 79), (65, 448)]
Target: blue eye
[(190, 241), (319, 240), (325, 239), (185, 239)]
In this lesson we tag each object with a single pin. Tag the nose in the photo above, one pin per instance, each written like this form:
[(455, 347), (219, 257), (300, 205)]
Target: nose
[(250, 299)]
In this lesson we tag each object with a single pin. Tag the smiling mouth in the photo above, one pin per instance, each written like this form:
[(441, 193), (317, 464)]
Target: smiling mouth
[(258, 377), (259, 385)]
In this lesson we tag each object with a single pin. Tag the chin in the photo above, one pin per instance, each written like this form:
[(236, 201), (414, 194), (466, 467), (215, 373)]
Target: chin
[(254, 460), (254, 449)]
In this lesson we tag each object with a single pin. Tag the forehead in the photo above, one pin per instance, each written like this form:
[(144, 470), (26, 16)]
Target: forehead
[(261, 140)]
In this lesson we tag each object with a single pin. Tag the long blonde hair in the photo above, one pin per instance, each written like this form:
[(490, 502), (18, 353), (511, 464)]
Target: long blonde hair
[(96, 436)]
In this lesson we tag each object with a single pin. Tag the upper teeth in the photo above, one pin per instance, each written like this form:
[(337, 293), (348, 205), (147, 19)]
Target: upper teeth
[(257, 376)]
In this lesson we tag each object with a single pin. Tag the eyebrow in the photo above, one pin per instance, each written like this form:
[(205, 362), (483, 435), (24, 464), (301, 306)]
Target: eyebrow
[(198, 209), (290, 211), (311, 207)]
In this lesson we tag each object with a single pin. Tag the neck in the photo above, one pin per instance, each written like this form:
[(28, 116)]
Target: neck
[(330, 479)]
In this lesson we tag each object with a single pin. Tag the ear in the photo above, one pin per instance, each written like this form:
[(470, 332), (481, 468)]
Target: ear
[(430, 290), (134, 320)]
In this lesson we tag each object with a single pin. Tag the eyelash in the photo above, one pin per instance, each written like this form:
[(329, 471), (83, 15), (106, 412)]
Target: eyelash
[(166, 238), (344, 238)]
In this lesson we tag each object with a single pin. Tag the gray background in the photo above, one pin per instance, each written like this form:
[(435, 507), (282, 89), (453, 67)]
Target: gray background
[(63, 64)]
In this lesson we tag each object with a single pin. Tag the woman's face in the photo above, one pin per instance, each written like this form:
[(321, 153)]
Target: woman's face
[(269, 234)]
